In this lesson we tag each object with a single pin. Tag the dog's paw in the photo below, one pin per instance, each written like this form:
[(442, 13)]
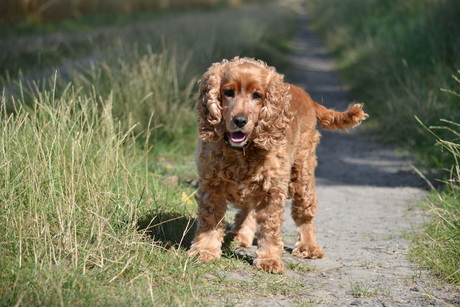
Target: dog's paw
[(270, 265), (204, 254), (309, 251)]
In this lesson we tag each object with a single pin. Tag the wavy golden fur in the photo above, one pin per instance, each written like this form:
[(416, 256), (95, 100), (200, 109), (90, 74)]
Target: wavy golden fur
[(257, 147)]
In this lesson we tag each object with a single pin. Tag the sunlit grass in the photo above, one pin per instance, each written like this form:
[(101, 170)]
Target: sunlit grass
[(438, 245), (94, 159), (74, 183)]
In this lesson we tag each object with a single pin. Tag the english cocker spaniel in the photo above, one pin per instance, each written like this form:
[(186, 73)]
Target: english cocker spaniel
[(257, 147)]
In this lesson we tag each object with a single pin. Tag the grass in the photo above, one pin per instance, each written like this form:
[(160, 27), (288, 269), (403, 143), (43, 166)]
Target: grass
[(360, 289), (42, 11), (399, 58), (148, 65), (74, 185), (395, 56), (89, 215), (438, 246), (188, 34)]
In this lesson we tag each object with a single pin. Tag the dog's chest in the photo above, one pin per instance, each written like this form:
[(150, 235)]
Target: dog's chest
[(244, 193), (242, 187), (242, 171)]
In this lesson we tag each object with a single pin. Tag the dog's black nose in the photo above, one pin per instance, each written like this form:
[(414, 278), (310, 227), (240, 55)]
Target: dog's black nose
[(240, 120)]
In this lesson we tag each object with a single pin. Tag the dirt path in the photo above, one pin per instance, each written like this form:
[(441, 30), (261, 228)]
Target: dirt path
[(367, 196)]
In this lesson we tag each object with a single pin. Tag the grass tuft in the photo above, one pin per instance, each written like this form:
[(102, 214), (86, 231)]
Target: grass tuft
[(438, 246), (360, 289)]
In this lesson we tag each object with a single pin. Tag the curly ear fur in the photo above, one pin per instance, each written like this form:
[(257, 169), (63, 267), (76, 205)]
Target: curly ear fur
[(275, 116), (209, 107)]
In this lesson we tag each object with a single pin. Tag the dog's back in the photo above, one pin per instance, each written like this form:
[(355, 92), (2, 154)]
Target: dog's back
[(327, 118)]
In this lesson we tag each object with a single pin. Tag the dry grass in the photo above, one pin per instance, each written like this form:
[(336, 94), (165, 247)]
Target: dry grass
[(85, 156), (74, 183), (39, 11)]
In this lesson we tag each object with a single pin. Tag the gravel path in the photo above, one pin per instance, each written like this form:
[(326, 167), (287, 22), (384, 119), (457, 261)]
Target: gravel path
[(367, 195)]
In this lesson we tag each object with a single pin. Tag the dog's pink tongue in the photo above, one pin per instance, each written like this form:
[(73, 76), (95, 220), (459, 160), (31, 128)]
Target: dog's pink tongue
[(238, 137)]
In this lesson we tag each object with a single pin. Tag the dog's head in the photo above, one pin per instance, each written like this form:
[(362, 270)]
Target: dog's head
[(243, 101)]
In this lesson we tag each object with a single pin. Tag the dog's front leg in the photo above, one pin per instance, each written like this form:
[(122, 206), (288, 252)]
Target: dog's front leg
[(207, 243), (269, 216)]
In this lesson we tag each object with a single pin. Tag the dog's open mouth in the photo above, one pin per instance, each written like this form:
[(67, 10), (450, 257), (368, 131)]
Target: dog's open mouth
[(238, 138)]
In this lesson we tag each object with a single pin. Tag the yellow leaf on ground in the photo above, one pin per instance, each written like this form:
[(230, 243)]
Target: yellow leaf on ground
[(186, 199)]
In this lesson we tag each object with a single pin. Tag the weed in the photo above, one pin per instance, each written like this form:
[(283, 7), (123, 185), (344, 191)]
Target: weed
[(360, 289), (298, 266)]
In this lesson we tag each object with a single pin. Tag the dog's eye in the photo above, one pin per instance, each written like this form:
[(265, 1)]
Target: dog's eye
[(257, 96), (229, 93)]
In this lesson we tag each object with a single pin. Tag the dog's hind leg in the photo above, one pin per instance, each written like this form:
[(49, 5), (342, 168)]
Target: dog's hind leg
[(244, 227), (305, 203)]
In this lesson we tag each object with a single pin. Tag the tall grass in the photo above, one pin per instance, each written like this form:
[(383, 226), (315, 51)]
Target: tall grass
[(438, 246), (74, 183), (148, 87), (153, 67), (86, 155), (395, 56), (196, 37)]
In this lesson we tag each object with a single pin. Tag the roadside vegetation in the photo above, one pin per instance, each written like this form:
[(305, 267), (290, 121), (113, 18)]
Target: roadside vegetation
[(438, 246), (402, 59), (97, 136), (44, 11)]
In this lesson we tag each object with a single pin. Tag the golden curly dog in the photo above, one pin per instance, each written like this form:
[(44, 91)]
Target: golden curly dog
[(257, 147)]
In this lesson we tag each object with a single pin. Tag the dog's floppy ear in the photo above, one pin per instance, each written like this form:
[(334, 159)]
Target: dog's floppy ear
[(274, 117), (209, 106)]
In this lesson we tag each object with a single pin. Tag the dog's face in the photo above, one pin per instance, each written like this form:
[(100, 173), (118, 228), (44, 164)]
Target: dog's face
[(242, 92), (243, 101)]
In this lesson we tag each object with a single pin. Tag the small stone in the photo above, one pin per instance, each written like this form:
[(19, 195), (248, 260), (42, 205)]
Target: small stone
[(193, 183), (172, 181), (415, 289), (355, 303)]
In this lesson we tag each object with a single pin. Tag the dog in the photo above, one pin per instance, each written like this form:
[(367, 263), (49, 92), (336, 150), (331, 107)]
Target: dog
[(258, 138)]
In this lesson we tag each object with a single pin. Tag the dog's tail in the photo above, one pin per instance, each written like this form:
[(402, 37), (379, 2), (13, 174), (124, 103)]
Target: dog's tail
[(330, 119)]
